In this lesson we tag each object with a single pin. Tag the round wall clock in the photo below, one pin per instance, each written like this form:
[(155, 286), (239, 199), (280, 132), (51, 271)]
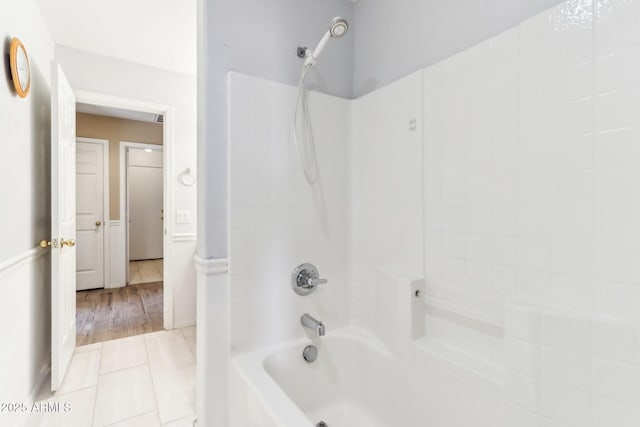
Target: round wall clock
[(20, 72)]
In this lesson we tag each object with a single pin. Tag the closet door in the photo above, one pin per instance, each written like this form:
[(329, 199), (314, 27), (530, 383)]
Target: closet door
[(145, 204)]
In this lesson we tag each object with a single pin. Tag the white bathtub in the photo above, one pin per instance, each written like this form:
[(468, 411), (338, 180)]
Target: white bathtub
[(355, 381)]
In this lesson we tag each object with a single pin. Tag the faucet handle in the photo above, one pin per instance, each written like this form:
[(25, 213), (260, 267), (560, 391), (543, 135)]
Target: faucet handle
[(313, 282), (305, 279)]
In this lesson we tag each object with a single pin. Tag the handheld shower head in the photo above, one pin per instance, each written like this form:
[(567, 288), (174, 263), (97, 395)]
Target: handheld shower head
[(337, 28)]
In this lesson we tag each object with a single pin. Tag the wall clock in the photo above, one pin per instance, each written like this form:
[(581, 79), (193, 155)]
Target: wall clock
[(20, 71)]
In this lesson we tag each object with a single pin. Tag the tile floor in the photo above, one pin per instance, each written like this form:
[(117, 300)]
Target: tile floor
[(145, 271), (146, 380)]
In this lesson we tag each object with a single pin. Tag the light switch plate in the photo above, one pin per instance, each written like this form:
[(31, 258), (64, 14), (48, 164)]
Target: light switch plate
[(183, 217)]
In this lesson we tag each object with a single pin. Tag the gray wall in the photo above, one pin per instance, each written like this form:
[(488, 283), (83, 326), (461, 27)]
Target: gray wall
[(259, 38), (393, 38)]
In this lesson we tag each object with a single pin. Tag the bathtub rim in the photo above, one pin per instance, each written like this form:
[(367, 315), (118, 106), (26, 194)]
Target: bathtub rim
[(250, 366)]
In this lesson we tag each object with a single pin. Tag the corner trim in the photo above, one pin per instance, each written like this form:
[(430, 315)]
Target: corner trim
[(211, 266)]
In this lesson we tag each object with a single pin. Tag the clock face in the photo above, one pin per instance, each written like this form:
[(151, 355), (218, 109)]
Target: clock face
[(20, 72), (23, 68)]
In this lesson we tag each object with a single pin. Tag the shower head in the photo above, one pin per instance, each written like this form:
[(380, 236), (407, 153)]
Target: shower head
[(338, 28)]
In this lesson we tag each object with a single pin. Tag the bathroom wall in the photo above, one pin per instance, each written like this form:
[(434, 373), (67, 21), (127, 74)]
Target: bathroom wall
[(277, 220), (395, 38), (116, 130), (260, 39), (530, 164), (109, 76), (25, 139)]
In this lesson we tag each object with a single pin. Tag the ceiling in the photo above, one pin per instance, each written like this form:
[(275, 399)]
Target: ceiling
[(99, 110), (157, 33)]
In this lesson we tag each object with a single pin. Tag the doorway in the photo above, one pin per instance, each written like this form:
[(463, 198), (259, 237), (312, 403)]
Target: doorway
[(145, 214), (129, 297)]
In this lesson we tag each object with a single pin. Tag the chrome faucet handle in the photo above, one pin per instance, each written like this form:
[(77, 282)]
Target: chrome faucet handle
[(305, 279), (315, 282)]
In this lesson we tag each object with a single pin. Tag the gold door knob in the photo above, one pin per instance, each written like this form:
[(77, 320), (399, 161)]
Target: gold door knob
[(55, 243), (98, 223), (70, 243)]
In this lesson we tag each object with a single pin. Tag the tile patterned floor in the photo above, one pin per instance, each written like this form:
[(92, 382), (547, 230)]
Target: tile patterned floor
[(145, 271), (146, 380)]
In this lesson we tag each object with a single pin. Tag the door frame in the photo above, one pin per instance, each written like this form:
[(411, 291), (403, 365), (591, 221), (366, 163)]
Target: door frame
[(124, 192), (168, 141), (106, 226)]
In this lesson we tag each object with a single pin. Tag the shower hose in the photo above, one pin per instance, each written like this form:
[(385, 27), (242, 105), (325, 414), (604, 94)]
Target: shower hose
[(307, 159)]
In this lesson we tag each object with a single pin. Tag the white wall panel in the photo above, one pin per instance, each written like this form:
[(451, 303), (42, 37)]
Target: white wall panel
[(277, 220), (184, 274), (386, 173), (529, 166)]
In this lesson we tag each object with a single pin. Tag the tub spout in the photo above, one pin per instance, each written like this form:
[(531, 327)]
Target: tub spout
[(315, 325)]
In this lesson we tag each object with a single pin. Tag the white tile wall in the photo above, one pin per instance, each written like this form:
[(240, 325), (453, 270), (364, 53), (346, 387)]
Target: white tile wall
[(531, 200), (277, 219), (386, 171)]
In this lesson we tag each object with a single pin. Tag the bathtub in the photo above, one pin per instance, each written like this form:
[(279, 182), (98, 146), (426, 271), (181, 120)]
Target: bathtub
[(355, 381)]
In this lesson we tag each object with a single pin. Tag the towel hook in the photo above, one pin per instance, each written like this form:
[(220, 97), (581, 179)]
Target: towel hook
[(187, 177)]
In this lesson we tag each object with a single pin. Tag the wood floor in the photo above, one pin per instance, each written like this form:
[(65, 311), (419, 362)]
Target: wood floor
[(106, 314)]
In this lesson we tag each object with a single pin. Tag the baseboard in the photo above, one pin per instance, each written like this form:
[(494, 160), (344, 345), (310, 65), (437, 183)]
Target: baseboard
[(184, 324), (43, 375)]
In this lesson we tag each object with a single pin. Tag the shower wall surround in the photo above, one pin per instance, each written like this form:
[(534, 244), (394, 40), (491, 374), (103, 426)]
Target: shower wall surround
[(505, 176), (276, 221), (531, 207), (386, 174)]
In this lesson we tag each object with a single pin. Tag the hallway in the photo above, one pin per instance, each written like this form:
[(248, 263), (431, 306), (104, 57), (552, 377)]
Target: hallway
[(107, 314), (146, 271)]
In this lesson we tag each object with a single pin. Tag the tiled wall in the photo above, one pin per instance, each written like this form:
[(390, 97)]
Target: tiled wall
[(531, 199), (277, 220), (386, 171)]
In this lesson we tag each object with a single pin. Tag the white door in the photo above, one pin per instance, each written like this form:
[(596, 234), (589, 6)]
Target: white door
[(145, 185), (90, 215), (63, 225)]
